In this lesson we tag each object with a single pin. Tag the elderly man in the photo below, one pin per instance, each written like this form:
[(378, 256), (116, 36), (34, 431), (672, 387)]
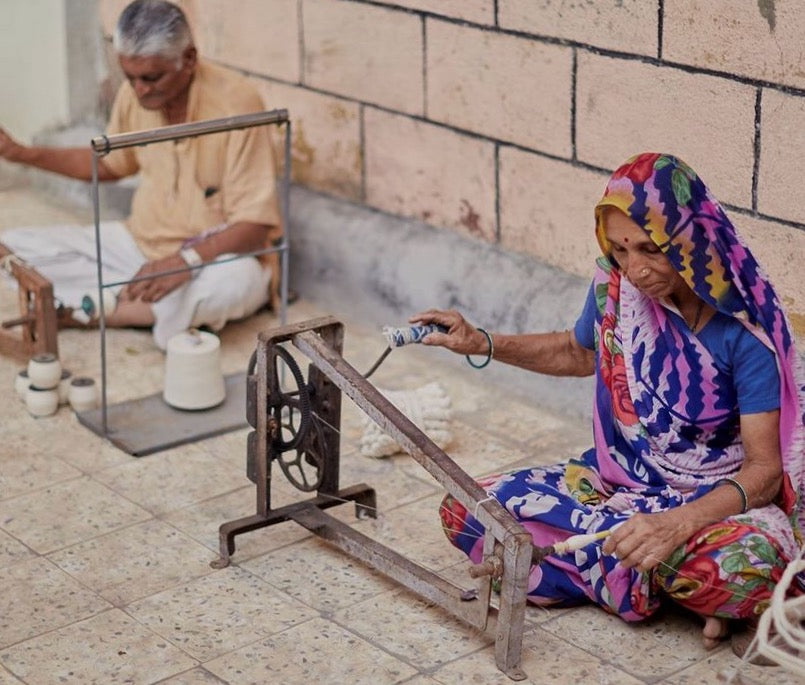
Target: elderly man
[(198, 199)]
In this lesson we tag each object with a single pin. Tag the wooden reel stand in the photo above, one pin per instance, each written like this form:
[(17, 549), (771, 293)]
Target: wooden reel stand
[(37, 321)]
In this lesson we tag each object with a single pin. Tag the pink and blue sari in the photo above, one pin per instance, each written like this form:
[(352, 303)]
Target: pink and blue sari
[(663, 432)]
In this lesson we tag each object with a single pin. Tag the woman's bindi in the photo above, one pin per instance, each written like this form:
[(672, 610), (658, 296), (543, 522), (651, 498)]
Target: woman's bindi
[(625, 240)]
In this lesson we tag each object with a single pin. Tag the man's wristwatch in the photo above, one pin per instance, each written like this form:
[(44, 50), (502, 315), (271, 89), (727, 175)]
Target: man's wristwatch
[(191, 258)]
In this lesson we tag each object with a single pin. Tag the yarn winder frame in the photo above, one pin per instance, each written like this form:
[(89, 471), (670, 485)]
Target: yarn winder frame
[(143, 416), (271, 411), (37, 321)]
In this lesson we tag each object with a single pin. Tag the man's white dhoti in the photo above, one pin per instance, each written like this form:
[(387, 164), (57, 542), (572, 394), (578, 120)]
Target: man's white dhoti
[(66, 255)]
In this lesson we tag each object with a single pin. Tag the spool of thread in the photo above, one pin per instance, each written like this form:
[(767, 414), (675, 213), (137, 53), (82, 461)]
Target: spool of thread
[(193, 378), (82, 394), (41, 401), (44, 371), (21, 383), (64, 386), (405, 335)]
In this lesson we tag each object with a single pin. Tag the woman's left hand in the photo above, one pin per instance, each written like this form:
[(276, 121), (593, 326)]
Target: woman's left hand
[(645, 540)]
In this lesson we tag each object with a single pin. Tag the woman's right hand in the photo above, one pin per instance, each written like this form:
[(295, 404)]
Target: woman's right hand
[(461, 337)]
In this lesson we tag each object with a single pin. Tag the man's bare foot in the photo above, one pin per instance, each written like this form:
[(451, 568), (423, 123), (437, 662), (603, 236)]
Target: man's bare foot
[(715, 631)]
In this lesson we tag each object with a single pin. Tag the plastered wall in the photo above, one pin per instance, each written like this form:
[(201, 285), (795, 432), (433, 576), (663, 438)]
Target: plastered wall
[(26, 106), (500, 119)]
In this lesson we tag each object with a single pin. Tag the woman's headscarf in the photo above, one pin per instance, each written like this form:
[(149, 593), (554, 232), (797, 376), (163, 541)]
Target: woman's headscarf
[(668, 200)]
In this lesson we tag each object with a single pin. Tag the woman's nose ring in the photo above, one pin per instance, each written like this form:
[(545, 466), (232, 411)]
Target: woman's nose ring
[(644, 271)]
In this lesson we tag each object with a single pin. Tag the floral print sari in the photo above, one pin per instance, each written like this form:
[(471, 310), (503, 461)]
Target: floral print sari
[(659, 423)]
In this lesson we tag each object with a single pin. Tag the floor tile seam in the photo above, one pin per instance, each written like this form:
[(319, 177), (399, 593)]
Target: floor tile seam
[(327, 614), (403, 658), (257, 641), (83, 475), (597, 655), (642, 677), (33, 552), (201, 662), (47, 485), (56, 629), (116, 531), (433, 671), (162, 515), (737, 665)]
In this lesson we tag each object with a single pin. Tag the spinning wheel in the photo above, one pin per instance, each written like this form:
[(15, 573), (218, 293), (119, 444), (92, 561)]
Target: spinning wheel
[(296, 440)]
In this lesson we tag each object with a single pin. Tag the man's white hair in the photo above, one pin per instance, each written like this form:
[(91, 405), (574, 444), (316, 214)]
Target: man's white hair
[(152, 27)]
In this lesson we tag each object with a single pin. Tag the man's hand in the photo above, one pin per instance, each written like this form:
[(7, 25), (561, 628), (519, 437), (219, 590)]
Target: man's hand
[(10, 149), (154, 289), (645, 540)]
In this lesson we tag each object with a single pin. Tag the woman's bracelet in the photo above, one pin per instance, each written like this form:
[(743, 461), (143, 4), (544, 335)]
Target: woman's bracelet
[(488, 354), (740, 488)]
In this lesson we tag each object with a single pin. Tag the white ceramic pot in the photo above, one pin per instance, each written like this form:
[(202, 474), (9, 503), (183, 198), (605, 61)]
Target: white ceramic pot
[(41, 401), (44, 371), (83, 394), (21, 383), (64, 386)]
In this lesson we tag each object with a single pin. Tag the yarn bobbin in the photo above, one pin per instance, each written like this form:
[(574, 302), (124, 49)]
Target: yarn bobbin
[(193, 377)]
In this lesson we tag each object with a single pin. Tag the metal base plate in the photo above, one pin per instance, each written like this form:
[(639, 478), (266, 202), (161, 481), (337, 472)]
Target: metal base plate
[(147, 425)]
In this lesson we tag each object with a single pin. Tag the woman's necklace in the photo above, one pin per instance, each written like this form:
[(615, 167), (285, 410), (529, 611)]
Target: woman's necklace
[(698, 316)]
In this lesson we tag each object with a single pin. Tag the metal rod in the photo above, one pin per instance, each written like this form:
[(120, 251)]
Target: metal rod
[(406, 434), (286, 218), (182, 269), (102, 145), (96, 207), (416, 578)]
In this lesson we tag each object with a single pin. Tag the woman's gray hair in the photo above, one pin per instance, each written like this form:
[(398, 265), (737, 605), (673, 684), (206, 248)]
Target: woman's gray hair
[(152, 27)]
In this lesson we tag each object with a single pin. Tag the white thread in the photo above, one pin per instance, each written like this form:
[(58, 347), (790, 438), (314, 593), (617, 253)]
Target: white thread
[(780, 635), (488, 498)]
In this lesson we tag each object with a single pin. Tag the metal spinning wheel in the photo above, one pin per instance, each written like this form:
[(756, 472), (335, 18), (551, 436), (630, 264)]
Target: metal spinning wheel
[(294, 438), (305, 422)]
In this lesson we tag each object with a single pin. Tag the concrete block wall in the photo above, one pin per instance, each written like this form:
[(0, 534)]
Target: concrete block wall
[(500, 120)]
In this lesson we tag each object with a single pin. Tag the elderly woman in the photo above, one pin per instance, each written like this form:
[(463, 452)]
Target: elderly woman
[(698, 464)]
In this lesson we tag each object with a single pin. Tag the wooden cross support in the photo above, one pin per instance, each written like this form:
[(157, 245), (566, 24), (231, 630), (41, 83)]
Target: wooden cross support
[(37, 320)]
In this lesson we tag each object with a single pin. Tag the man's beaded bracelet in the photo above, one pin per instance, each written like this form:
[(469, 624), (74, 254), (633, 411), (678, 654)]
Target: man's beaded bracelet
[(488, 354), (740, 488)]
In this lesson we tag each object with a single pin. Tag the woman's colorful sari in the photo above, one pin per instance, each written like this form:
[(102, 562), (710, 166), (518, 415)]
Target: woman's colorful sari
[(662, 434)]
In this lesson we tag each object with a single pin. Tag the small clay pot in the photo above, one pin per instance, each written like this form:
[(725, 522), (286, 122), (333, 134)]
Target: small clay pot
[(44, 371), (41, 401), (64, 386), (83, 394), (21, 383)]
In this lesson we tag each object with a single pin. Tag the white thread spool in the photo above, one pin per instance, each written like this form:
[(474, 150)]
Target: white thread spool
[(193, 378), (21, 383), (41, 401), (44, 371), (64, 386), (83, 394)]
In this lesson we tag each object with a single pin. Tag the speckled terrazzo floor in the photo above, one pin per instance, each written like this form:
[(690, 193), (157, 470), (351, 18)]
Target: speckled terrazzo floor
[(105, 570)]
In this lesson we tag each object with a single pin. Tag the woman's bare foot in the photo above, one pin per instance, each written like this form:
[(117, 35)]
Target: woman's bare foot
[(742, 641), (715, 631)]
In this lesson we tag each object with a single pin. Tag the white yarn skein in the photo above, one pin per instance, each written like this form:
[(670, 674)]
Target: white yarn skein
[(428, 407), (780, 633)]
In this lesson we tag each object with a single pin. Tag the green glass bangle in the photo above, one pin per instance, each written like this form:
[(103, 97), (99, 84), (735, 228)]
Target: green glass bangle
[(488, 354)]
